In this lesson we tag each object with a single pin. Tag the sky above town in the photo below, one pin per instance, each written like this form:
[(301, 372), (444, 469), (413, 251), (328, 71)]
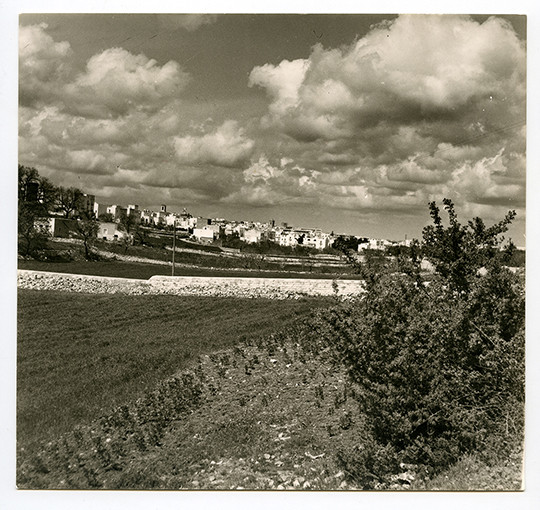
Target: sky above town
[(349, 123)]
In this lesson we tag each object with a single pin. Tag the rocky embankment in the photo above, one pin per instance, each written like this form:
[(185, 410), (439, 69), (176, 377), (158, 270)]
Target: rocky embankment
[(272, 288)]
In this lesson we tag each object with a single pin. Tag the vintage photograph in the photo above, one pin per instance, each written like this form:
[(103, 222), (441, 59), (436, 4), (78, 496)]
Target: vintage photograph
[(266, 252)]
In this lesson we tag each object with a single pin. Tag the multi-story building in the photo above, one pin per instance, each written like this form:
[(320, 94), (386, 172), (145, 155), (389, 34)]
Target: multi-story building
[(171, 219), (317, 239), (146, 217), (86, 204), (133, 210), (374, 244), (287, 237), (100, 209), (117, 211), (204, 234)]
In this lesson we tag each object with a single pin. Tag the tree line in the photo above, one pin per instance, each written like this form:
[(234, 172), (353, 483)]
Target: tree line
[(39, 199)]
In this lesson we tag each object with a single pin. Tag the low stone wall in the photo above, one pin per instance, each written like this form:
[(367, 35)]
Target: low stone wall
[(274, 288), (44, 280)]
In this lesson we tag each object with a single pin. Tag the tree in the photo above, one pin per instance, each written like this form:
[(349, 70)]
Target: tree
[(68, 200), (232, 241), (28, 184), (129, 222), (36, 191), (106, 217), (87, 230), (140, 237), (32, 235), (346, 243), (36, 196), (439, 366), (47, 192), (459, 251)]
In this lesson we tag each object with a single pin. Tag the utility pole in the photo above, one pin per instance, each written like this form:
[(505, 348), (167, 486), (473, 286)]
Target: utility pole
[(173, 244)]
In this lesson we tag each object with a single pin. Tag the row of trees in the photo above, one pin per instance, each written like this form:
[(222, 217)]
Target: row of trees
[(40, 194), (39, 198)]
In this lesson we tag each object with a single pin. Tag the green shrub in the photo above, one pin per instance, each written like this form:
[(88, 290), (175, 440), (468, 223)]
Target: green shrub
[(440, 367)]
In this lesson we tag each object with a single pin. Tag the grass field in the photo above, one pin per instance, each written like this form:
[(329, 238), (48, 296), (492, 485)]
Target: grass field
[(80, 355), (144, 271), (207, 258), (266, 415)]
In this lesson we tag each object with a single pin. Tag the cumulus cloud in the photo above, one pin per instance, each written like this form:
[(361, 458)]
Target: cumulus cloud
[(420, 108), (114, 82), (89, 127), (401, 71), (270, 183), (418, 105), (43, 63), (87, 161), (227, 146), (189, 22), (480, 182), (262, 170), (282, 83)]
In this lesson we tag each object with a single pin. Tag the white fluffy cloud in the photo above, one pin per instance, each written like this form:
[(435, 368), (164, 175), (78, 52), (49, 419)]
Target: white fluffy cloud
[(43, 63), (402, 70), (227, 146), (118, 81), (265, 183), (114, 82), (262, 171), (419, 108), (282, 83), (189, 22)]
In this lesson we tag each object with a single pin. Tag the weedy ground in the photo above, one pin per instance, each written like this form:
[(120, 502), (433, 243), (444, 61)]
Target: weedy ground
[(262, 415), (255, 418), (81, 355)]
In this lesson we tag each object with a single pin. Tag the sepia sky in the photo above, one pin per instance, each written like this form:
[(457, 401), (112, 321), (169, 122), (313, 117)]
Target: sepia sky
[(350, 123)]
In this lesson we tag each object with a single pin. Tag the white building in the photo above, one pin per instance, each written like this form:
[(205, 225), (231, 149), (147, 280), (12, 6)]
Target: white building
[(287, 238), (100, 209), (109, 231), (153, 218), (133, 210), (146, 217), (171, 219), (251, 236), (374, 244), (116, 211), (311, 238), (317, 239), (204, 235)]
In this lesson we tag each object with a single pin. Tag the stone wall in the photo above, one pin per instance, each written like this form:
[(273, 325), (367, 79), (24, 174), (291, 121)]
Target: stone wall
[(311, 287), (274, 288)]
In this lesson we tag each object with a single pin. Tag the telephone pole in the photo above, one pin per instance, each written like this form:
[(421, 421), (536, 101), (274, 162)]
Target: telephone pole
[(173, 244)]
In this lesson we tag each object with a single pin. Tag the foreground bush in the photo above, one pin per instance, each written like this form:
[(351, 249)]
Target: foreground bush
[(440, 367)]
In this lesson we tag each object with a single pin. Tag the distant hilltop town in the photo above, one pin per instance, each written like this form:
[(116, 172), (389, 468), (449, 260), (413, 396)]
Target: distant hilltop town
[(207, 230), (57, 209)]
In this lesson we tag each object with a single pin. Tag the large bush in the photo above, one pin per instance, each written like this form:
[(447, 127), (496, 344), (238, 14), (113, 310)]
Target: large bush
[(439, 366)]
